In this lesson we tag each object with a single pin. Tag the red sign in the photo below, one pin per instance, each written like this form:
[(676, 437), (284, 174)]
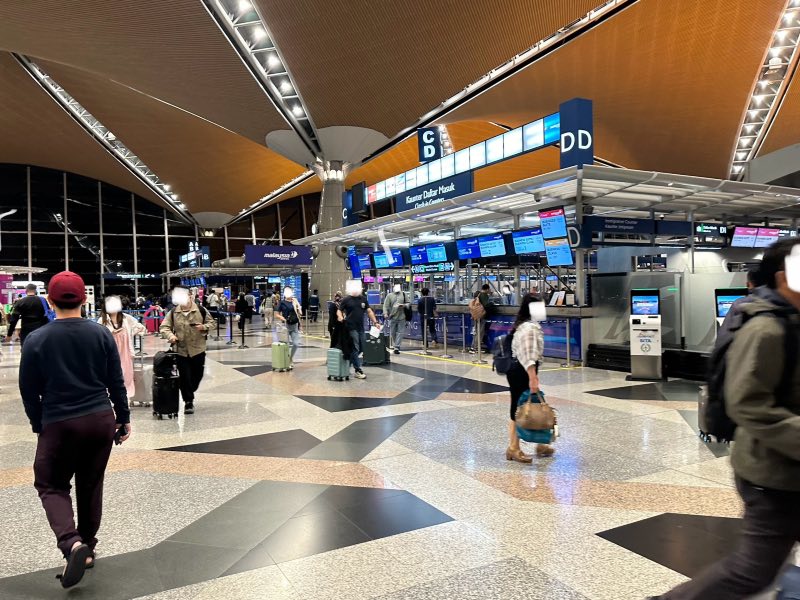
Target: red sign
[(372, 194)]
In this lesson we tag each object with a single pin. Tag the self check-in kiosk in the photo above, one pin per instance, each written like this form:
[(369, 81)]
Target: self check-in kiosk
[(645, 334), (724, 299)]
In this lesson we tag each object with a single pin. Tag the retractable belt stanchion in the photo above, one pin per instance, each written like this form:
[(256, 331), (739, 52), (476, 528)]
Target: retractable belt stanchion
[(138, 345), (444, 334), (217, 338), (569, 343), (479, 342), (463, 334), (424, 320), (230, 341), (244, 325)]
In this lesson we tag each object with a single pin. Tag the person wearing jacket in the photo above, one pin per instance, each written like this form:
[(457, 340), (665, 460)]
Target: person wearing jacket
[(30, 312), (123, 329), (426, 307), (290, 312), (394, 309), (186, 327), (762, 396), (244, 310), (334, 327), (74, 396)]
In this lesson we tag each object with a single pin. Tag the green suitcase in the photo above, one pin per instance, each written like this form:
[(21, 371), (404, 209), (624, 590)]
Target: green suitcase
[(280, 357)]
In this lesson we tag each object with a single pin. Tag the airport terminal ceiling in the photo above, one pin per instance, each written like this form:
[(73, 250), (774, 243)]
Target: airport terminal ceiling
[(670, 81)]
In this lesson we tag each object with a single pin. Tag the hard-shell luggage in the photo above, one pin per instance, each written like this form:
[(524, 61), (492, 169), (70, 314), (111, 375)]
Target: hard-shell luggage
[(375, 352), (166, 396), (338, 367), (281, 360)]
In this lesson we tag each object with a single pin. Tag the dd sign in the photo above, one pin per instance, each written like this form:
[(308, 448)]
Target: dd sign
[(577, 133), (430, 144)]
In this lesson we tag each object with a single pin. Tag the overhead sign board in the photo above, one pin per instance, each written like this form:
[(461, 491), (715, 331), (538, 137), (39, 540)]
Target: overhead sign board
[(577, 133), (131, 276), (437, 268), (277, 255), (433, 193), (429, 140), (619, 225), (198, 256)]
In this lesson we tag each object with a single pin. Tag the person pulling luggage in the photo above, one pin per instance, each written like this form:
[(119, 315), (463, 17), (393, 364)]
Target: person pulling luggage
[(395, 308), (186, 328), (290, 311), (351, 313)]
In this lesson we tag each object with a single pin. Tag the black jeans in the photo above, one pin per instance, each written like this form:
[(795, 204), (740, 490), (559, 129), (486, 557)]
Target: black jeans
[(771, 528), (80, 447), (518, 384), (190, 369)]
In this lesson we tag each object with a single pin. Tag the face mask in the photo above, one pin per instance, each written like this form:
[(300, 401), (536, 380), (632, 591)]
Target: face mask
[(792, 269), (538, 311), (113, 305), (180, 297), (397, 289), (288, 293), (354, 287)]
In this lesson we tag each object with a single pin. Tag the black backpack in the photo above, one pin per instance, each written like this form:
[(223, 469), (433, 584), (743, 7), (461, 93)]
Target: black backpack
[(503, 361), (164, 364), (714, 422)]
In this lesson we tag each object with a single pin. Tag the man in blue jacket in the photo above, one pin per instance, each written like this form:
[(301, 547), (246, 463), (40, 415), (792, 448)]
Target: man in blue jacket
[(73, 391)]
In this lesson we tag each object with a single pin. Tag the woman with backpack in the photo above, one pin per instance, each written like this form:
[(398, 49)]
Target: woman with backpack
[(123, 328), (289, 311), (244, 310), (527, 346)]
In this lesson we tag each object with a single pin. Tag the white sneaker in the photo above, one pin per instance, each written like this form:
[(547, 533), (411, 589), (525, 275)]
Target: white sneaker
[(360, 375)]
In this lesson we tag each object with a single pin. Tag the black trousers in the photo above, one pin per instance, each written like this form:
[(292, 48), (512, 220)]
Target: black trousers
[(518, 383), (431, 329), (191, 369), (771, 528), (77, 447)]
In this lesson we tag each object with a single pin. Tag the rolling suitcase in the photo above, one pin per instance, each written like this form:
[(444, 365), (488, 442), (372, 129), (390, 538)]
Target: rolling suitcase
[(166, 396), (281, 360), (338, 367), (789, 584), (375, 352)]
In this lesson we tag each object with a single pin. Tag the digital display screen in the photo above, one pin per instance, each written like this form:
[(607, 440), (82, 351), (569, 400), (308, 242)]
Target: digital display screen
[(554, 223), (552, 128), (436, 253), (494, 149), (400, 183), (468, 248), (558, 253), (644, 304), (726, 300), (477, 155), (462, 160), (352, 258), (419, 255), (435, 170), (766, 237), (392, 260), (492, 245), (528, 242), (533, 135), (512, 142), (422, 175), (448, 166), (744, 237), (364, 262), (372, 194)]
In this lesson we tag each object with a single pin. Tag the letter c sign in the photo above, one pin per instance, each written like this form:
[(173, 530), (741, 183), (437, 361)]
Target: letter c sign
[(430, 144)]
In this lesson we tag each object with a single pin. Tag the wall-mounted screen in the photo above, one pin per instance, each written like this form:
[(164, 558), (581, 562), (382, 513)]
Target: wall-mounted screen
[(552, 128), (494, 149), (512, 142), (388, 260), (468, 248), (492, 245), (744, 237), (726, 298), (352, 259), (528, 242), (766, 237), (431, 253), (558, 253), (645, 302), (533, 135), (554, 223), (364, 262)]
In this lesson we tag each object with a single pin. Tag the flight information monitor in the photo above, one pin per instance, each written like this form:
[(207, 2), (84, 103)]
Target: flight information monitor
[(436, 253), (766, 237), (364, 262), (558, 253), (468, 248), (726, 298), (492, 245), (744, 237), (352, 258), (645, 302), (554, 223), (388, 260), (528, 242)]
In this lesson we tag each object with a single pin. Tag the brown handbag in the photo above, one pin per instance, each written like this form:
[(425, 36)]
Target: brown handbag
[(535, 415)]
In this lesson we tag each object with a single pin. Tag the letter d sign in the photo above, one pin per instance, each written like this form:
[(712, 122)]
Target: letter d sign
[(430, 144), (577, 133)]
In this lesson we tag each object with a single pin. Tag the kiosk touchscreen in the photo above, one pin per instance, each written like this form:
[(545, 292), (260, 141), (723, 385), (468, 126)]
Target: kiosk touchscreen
[(645, 332), (724, 299)]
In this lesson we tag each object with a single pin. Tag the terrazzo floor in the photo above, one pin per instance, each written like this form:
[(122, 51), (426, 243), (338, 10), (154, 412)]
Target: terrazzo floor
[(288, 486)]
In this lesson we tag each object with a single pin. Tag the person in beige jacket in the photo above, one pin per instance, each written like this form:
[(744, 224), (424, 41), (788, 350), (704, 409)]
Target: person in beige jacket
[(186, 327)]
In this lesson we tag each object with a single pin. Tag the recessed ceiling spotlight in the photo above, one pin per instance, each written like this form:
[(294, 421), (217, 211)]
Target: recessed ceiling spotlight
[(297, 110), (286, 87), (259, 34), (273, 60), (244, 6)]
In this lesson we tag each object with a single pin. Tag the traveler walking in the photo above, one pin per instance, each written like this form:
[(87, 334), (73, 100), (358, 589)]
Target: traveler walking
[(214, 301), (251, 302), (123, 329), (290, 312), (73, 391), (762, 397), (186, 327), (335, 327), (395, 308), (351, 313), (244, 310), (313, 306), (426, 307), (527, 346), (30, 311), (266, 310)]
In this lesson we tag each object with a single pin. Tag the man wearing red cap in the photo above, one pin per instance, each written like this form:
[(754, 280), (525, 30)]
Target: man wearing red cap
[(74, 395)]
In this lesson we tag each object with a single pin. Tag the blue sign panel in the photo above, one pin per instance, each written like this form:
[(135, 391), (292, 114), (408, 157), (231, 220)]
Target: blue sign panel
[(674, 228), (577, 133), (277, 255), (528, 242), (388, 260), (430, 144), (433, 193), (619, 225), (468, 248), (348, 214), (492, 245)]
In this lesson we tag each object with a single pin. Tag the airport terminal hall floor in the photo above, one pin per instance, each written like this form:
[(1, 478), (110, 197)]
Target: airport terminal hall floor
[(288, 486)]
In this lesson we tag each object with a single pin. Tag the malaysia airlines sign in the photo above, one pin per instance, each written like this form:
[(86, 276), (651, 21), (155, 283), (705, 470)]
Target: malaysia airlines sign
[(277, 255)]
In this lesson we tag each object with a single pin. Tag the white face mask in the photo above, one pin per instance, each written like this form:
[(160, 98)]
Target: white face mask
[(538, 311), (288, 293), (792, 269), (113, 305), (180, 297), (354, 287), (397, 289)]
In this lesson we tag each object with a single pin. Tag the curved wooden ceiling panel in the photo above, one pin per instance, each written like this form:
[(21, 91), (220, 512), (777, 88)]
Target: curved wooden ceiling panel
[(36, 131), (210, 168), (383, 65), (169, 49), (670, 80)]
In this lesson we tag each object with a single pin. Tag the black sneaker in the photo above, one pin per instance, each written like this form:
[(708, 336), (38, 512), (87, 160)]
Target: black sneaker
[(396, 351), (189, 408)]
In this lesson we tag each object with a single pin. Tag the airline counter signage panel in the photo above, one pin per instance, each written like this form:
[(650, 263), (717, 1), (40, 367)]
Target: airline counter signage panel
[(433, 193), (559, 254), (528, 242), (744, 237), (492, 245), (430, 144), (435, 268), (468, 249), (277, 255), (554, 223), (766, 237), (388, 260), (577, 133), (617, 225), (431, 253)]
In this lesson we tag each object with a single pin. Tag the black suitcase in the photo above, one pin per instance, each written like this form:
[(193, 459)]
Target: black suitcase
[(166, 396), (375, 352)]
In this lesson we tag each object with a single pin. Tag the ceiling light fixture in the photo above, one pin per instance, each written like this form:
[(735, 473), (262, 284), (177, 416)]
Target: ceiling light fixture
[(244, 6), (286, 87), (104, 136), (778, 63)]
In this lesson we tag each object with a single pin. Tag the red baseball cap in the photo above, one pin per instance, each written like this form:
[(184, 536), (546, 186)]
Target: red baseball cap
[(66, 287)]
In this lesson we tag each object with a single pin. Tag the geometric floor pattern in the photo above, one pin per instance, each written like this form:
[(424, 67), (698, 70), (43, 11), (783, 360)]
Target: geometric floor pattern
[(288, 486)]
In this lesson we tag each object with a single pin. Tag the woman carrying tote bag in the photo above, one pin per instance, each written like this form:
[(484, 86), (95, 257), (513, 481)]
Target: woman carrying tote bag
[(527, 347)]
